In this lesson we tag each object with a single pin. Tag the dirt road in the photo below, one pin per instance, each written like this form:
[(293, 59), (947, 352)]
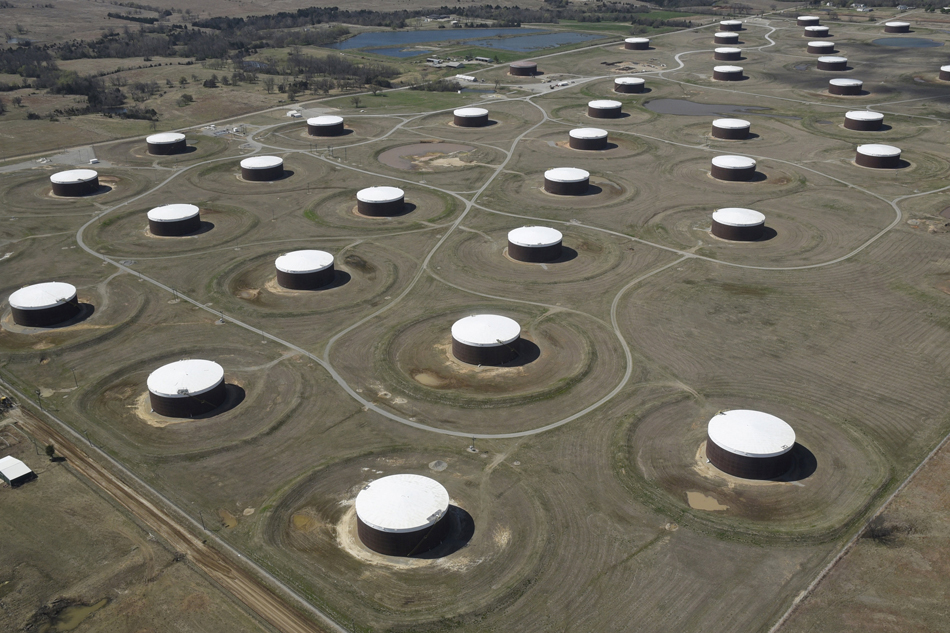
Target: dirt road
[(231, 577)]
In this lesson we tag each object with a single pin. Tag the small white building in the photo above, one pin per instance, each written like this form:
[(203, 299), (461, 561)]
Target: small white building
[(15, 472)]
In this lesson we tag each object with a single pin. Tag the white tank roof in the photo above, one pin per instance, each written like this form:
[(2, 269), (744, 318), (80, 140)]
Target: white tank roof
[(735, 216), (173, 213), (534, 236), (380, 194), (402, 503), (731, 124), (863, 115), (808, 17), (185, 378), (844, 81), (262, 162), (751, 433), (604, 104), (833, 59), (727, 69), (486, 330), (822, 44), (629, 81), (325, 120), (302, 262), (165, 138), (637, 40), (730, 22), (43, 296), (727, 50), (945, 69), (727, 35), (566, 174), (12, 468), (587, 133), (733, 162), (900, 24), (73, 176), (470, 112), (883, 151), (815, 29)]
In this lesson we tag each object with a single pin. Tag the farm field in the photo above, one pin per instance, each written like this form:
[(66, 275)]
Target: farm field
[(583, 495)]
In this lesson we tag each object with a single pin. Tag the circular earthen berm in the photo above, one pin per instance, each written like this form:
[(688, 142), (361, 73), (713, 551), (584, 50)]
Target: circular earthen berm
[(878, 156), (305, 270), (75, 182), (173, 220), (186, 388), (326, 125), (262, 168), (733, 168), (402, 515), (731, 129), (629, 84), (485, 339), (587, 138), (821, 48), (45, 304), (381, 202), (523, 68), (831, 62), (897, 27), (166, 143), (740, 225), (470, 117), (863, 120), (636, 43), (727, 73), (566, 181), (727, 54), (844, 86), (604, 109), (726, 37), (534, 244), (749, 444), (817, 31)]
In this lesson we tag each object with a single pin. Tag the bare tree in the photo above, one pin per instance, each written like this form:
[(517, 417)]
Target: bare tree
[(269, 84), (356, 101)]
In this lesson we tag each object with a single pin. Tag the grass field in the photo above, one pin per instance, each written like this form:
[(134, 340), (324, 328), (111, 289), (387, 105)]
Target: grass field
[(582, 465)]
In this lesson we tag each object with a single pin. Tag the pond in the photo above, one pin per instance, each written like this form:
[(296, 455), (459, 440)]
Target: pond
[(404, 38), (526, 43), (906, 42)]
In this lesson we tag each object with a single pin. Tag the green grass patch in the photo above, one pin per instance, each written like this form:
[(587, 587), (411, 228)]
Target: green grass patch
[(476, 51), (414, 100), (622, 28)]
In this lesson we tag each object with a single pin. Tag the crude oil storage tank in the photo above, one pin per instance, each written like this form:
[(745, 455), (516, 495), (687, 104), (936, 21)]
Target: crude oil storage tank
[(878, 156), (173, 220), (587, 138), (832, 62), (740, 225), (636, 43), (485, 339), (750, 444), (845, 86), (604, 109), (534, 244), (305, 270), (402, 515), (733, 168), (821, 48), (45, 304), (166, 143), (523, 68), (326, 125), (75, 182), (629, 84), (470, 117), (897, 27), (863, 120), (727, 73), (727, 54), (262, 168), (731, 129), (566, 181), (186, 388), (381, 202)]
